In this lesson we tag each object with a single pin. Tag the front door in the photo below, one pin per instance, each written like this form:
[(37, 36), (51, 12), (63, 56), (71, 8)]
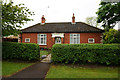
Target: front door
[(57, 40)]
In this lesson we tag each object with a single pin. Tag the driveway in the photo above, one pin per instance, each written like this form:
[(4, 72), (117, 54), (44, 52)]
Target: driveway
[(37, 71)]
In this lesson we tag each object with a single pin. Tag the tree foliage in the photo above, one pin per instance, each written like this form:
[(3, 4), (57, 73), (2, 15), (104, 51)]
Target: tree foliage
[(117, 37), (108, 14), (112, 36), (92, 21), (13, 17)]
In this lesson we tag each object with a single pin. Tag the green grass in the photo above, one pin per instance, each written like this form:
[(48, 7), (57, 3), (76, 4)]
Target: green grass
[(63, 71), (9, 68), (43, 52), (0, 68)]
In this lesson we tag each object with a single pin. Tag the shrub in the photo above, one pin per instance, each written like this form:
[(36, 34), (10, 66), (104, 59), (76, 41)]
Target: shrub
[(112, 36), (20, 51), (108, 54)]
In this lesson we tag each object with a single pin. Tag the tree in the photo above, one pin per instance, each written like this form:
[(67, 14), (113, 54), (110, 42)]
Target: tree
[(92, 21), (108, 14), (13, 17), (111, 36), (117, 37)]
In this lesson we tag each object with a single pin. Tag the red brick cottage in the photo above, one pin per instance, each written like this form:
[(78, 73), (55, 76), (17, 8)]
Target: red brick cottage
[(47, 34)]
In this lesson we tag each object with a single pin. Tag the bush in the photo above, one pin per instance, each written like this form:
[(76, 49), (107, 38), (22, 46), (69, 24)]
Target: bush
[(108, 54), (112, 36), (20, 51)]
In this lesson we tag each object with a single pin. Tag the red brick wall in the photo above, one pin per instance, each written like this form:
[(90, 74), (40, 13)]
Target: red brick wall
[(32, 36), (33, 39), (84, 37), (66, 40)]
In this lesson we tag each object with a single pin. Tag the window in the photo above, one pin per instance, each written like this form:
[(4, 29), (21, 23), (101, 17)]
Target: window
[(41, 39), (74, 38), (91, 40), (27, 39)]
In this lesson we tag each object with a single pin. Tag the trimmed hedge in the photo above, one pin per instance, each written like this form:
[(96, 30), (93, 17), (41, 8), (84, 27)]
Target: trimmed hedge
[(108, 54), (20, 51)]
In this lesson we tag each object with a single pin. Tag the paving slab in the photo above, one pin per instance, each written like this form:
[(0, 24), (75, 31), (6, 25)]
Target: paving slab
[(47, 59)]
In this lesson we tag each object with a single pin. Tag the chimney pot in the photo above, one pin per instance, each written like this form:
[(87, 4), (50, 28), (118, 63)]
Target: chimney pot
[(73, 19), (42, 20)]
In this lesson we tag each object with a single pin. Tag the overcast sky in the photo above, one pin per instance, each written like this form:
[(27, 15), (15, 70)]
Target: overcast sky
[(60, 10)]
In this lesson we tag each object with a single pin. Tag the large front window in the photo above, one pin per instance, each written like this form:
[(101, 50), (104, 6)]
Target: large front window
[(74, 38), (41, 39)]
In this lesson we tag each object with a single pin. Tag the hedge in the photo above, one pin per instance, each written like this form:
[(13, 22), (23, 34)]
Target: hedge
[(20, 51), (108, 54)]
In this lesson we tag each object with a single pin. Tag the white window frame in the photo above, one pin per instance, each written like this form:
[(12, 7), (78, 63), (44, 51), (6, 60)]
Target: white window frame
[(91, 42), (44, 39), (26, 40), (18, 38), (77, 38)]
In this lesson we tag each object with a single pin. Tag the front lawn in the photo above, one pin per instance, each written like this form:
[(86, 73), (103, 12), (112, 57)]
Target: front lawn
[(65, 71), (43, 52), (9, 68)]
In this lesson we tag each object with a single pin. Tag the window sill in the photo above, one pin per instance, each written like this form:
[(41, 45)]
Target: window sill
[(90, 42), (43, 44), (74, 43)]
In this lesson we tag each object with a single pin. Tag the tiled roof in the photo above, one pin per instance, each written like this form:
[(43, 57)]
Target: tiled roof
[(63, 27)]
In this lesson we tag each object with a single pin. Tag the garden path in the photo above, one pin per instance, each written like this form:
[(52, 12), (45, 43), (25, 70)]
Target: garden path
[(47, 59)]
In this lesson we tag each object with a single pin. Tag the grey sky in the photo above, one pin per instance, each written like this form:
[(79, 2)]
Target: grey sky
[(60, 10)]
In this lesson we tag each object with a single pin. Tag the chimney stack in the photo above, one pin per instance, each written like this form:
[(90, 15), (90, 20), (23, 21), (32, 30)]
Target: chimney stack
[(73, 19), (42, 20)]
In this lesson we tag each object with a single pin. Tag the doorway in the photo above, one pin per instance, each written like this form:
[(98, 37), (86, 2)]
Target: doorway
[(57, 40)]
